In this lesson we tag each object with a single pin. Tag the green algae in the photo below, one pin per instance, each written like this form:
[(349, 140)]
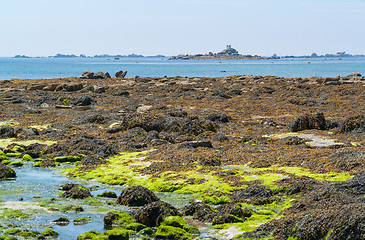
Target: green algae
[(27, 158), (13, 215), (82, 220), (172, 233), (8, 141), (117, 233), (135, 227), (49, 233)]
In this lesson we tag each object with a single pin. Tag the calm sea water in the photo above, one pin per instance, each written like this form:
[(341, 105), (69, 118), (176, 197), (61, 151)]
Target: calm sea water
[(35, 68)]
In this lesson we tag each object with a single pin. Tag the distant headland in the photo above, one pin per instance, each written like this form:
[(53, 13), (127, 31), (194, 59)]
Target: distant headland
[(227, 54)]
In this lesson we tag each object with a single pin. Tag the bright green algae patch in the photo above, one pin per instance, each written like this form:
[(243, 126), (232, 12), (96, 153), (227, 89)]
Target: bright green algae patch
[(207, 185), (8, 141), (123, 169)]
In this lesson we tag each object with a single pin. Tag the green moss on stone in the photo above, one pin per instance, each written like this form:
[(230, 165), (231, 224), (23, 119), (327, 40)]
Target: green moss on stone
[(13, 215), (27, 158), (117, 233), (16, 163), (18, 149), (49, 233), (7, 237), (6, 162), (13, 231), (135, 226), (92, 235), (172, 233), (29, 234), (82, 220)]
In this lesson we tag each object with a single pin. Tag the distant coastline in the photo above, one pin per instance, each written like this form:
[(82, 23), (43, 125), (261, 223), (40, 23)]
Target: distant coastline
[(227, 54)]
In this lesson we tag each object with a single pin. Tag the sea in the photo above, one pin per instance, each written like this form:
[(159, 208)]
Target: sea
[(46, 68)]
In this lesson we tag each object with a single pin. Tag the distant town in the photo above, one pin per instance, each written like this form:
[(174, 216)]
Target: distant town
[(227, 54)]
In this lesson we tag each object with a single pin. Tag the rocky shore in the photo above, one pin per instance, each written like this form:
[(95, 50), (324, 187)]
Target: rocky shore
[(262, 157)]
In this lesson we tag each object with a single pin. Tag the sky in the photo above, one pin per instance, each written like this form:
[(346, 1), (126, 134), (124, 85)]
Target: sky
[(172, 27)]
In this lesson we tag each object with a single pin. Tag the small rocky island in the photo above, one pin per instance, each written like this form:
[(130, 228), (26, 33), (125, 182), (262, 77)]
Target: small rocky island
[(227, 54)]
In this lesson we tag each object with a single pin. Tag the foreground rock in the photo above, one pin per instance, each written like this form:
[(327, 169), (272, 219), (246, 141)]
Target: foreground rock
[(154, 213), (6, 172), (136, 196), (307, 121)]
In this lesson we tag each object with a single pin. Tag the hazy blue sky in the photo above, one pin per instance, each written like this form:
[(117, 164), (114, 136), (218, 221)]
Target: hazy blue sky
[(170, 27)]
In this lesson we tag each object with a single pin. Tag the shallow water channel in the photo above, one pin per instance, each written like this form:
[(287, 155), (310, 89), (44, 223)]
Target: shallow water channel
[(35, 191)]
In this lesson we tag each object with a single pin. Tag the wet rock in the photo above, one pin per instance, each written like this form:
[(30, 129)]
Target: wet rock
[(25, 133), (68, 186), (219, 117), (196, 144), (154, 213), (6, 172), (51, 87), (117, 219), (354, 74), (354, 187), (201, 211), (84, 101), (100, 75), (71, 87), (295, 185), (62, 221), (87, 75), (293, 140), (120, 74), (7, 132), (220, 137), (108, 194), (307, 121), (136, 196), (254, 194), (77, 192), (354, 124)]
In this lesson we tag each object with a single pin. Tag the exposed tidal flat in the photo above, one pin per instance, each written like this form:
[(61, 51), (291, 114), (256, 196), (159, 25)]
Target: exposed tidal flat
[(232, 157)]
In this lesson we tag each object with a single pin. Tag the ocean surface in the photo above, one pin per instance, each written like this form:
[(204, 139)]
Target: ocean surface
[(37, 68)]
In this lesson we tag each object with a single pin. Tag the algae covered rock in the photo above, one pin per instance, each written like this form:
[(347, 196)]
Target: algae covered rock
[(49, 233), (308, 121), (108, 194), (154, 213), (355, 123), (117, 219), (6, 172), (172, 233), (136, 196), (75, 191), (90, 235), (117, 234)]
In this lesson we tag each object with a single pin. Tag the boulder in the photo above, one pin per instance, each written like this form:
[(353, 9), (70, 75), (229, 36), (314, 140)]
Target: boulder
[(196, 144), (37, 86), (136, 196), (355, 123), (120, 74), (6, 172), (354, 74), (154, 213), (107, 75), (87, 75), (219, 117), (7, 132), (308, 121), (83, 101), (100, 75), (77, 193), (51, 87)]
